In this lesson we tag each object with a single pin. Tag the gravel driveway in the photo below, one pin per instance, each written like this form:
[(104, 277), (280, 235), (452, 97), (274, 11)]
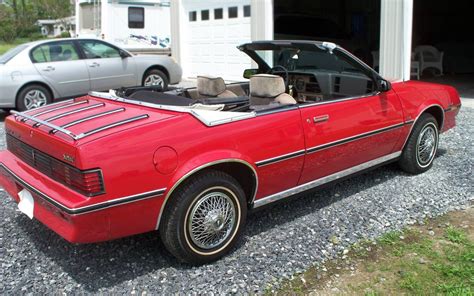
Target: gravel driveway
[(278, 242)]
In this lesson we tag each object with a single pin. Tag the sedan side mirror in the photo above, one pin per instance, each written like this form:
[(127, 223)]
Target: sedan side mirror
[(249, 73), (383, 85)]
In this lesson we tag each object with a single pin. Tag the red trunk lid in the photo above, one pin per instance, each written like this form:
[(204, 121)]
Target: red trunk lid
[(80, 120)]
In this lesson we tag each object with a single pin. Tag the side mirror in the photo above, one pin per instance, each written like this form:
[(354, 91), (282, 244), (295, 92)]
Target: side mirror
[(383, 85), (249, 73), (123, 54)]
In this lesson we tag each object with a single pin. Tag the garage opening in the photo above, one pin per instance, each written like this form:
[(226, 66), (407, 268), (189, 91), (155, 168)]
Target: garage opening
[(447, 29), (355, 25)]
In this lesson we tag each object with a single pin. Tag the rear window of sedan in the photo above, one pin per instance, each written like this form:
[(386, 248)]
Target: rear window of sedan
[(12, 53), (54, 52)]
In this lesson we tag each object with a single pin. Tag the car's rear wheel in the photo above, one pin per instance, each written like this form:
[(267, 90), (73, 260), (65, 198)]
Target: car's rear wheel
[(420, 149), (204, 217), (155, 77), (33, 96)]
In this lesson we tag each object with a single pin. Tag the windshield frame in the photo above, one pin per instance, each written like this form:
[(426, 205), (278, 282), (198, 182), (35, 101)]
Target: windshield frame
[(251, 50)]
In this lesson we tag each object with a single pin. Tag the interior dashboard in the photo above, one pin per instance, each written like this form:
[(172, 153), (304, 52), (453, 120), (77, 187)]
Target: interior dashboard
[(305, 87), (325, 85)]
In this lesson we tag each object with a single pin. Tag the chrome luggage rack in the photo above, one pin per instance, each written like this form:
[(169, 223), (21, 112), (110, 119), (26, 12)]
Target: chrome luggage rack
[(25, 116)]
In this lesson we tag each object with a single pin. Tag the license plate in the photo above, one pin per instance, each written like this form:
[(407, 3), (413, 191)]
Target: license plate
[(27, 203)]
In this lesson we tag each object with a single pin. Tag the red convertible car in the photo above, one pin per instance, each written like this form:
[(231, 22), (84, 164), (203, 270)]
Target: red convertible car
[(192, 162)]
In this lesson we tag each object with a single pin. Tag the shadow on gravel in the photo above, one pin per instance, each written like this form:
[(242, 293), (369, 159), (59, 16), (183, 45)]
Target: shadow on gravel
[(101, 265), (96, 266), (308, 202)]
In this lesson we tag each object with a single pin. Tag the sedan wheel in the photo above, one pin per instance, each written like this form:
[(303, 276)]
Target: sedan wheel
[(154, 80), (204, 217), (33, 96), (34, 99)]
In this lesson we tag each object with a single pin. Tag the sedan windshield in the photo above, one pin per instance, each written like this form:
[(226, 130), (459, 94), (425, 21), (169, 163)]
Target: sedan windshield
[(12, 53)]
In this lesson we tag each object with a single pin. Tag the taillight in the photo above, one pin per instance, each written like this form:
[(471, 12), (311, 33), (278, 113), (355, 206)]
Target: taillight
[(88, 182)]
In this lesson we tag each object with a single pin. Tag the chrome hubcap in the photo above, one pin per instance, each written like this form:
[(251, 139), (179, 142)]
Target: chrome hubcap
[(154, 80), (34, 99), (212, 220), (426, 145)]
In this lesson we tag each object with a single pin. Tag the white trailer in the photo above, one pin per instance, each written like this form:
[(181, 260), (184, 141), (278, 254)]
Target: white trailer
[(137, 25)]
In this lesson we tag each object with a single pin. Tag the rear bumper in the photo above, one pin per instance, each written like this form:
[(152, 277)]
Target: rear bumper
[(64, 211)]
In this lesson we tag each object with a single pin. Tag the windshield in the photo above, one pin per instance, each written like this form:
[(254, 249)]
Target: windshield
[(297, 59), (12, 53)]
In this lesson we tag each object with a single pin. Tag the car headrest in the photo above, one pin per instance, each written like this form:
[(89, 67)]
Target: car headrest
[(266, 85), (55, 49), (210, 86)]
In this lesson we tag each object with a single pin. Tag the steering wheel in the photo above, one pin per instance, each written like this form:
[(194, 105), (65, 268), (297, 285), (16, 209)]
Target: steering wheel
[(275, 69)]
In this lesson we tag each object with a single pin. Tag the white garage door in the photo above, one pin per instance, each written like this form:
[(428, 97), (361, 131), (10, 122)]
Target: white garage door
[(212, 30)]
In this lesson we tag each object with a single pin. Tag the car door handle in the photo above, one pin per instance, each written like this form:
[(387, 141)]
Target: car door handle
[(94, 64), (319, 119), (49, 68)]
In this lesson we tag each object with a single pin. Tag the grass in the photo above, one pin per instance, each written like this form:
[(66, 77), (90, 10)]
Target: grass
[(4, 47), (436, 258)]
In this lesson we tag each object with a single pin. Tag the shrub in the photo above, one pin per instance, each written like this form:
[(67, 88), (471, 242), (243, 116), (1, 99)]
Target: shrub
[(7, 24), (35, 36), (65, 35), (7, 32)]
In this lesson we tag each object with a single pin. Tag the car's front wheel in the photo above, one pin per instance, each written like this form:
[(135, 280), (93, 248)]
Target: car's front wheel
[(155, 77), (204, 217), (33, 96), (420, 149)]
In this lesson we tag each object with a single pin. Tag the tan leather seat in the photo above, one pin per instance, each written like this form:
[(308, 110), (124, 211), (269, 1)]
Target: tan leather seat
[(266, 89), (213, 87)]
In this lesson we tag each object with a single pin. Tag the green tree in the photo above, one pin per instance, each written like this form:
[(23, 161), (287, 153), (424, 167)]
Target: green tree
[(53, 9), (7, 24)]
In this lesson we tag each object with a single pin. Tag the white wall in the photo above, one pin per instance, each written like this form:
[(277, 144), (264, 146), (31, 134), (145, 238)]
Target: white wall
[(209, 47)]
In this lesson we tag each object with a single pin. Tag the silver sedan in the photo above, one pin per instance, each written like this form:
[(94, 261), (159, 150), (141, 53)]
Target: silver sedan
[(36, 73)]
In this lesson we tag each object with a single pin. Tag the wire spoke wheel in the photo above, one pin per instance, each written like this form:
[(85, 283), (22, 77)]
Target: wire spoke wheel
[(212, 220), (426, 145)]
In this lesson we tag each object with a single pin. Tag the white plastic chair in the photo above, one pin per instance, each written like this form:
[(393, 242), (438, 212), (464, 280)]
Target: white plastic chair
[(429, 57)]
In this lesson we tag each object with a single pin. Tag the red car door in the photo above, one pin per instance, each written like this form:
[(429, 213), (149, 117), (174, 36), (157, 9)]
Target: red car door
[(341, 134)]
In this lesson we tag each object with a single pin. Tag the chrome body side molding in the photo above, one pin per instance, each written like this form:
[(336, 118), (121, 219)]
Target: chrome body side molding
[(280, 158), (303, 187), (353, 138)]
